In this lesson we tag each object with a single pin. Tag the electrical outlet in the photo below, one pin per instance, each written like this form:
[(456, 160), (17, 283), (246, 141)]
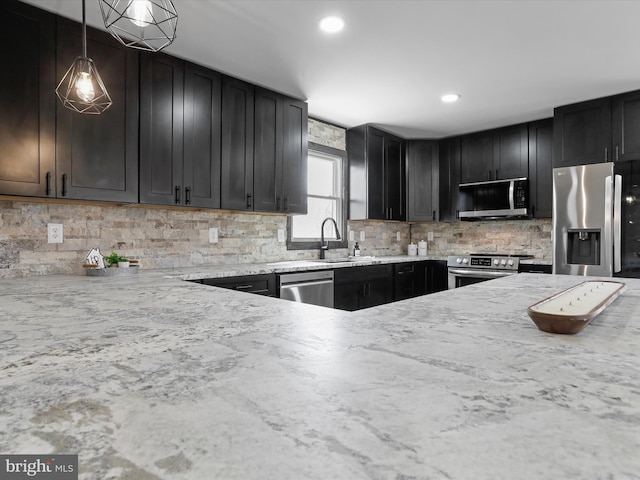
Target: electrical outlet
[(398, 236), (362, 235), (213, 235), (352, 235), (430, 236), (54, 233), (281, 235)]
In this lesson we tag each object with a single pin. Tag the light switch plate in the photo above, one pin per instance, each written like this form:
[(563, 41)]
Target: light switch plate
[(398, 236), (281, 235), (430, 236), (54, 233), (362, 235), (352, 235), (213, 235)]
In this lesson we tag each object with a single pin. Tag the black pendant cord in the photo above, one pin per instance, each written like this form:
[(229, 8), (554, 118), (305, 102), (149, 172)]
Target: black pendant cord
[(84, 30)]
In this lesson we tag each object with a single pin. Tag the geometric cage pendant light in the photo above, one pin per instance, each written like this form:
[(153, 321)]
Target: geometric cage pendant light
[(81, 89), (143, 24)]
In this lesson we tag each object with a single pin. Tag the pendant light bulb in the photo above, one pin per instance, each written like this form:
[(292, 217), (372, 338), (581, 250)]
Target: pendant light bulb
[(140, 12), (84, 87)]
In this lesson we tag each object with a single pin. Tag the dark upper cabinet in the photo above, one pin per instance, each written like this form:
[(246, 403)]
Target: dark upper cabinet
[(294, 156), (476, 157), (395, 178), (494, 155), (511, 152), (422, 180), (541, 168), (237, 144), (582, 133), (449, 178), (27, 101), (626, 126), (97, 155), (280, 153), (377, 174), (202, 136), (161, 129), (180, 128)]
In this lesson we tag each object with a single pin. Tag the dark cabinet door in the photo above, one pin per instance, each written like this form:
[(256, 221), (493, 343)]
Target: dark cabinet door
[(395, 179), (27, 101), (405, 280), (541, 168), (202, 133), (237, 145), (476, 157), (510, 152), (363, 287), (375, 194), (626, 126), (267, 162), (582, 133), (294, 156), (422, 180), (97, 155), (449, 174), (437, 276), (161, 129)]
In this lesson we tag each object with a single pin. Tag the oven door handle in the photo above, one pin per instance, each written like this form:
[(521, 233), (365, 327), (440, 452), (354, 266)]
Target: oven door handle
[(480, 273)]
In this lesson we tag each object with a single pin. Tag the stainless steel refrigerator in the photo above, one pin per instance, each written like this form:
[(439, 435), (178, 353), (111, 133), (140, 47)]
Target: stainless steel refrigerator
[(596, 219)]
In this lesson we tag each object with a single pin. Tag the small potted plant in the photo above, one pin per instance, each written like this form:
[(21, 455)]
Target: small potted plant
[(117, 259)]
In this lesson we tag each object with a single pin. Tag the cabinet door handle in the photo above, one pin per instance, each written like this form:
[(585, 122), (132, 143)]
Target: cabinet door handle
[(177, 199), (433, 215), (606, 154), (390, 214), (249, 205), (617, 153), (286, 204), (496, 174), (187, 195), (48, 183), (278, 204), (64, 184)]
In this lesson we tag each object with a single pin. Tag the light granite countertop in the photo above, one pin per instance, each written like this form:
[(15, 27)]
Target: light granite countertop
[(151, 377)]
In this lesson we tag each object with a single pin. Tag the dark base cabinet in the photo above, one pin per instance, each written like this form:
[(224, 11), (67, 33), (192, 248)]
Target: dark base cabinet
[(264, 284), (362, 287)]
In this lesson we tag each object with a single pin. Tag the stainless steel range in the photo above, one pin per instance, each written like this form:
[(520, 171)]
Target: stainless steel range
[(479, 267)]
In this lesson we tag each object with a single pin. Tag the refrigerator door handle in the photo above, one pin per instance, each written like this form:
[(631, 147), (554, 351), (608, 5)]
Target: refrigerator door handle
[(617, 223)]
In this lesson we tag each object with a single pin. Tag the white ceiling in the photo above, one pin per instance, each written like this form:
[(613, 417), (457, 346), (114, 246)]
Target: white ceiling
[(512, 61)]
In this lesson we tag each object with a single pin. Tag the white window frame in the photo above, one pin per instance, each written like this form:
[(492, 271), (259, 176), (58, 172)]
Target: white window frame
[(294, 243)]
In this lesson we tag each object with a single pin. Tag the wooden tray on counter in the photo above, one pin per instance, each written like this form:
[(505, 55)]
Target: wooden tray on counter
[(570, 310)]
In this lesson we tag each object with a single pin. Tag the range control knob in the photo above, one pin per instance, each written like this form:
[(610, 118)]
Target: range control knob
[(496, 262), (465, 261), (458, 260), (503, 262), (510, 263)]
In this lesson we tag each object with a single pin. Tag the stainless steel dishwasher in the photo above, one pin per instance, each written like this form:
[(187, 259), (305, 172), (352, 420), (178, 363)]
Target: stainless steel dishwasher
[(315, 288)]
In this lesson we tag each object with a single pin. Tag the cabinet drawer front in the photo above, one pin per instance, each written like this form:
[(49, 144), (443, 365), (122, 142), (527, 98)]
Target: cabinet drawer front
[(359, 274), (259, 284)]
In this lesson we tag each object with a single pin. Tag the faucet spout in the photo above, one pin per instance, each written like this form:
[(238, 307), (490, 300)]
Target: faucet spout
[(323, 247)]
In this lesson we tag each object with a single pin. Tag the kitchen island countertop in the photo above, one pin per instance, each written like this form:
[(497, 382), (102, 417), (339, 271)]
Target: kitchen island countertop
[(152, 377)]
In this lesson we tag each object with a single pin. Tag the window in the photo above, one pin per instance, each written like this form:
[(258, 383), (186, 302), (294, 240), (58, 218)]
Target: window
[(325, 198)]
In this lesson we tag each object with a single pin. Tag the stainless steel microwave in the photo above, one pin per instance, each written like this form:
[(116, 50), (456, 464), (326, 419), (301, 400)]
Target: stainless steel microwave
[(496, 199)]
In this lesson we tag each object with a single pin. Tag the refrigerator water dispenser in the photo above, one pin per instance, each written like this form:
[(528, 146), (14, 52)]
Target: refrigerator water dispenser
[(583, 247)]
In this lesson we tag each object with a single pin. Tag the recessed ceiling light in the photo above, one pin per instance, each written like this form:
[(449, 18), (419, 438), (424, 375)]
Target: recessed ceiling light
[(331, 24), (450, 97)]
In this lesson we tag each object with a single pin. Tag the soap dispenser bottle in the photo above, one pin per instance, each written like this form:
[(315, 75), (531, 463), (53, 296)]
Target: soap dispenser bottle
[(356, 250)]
